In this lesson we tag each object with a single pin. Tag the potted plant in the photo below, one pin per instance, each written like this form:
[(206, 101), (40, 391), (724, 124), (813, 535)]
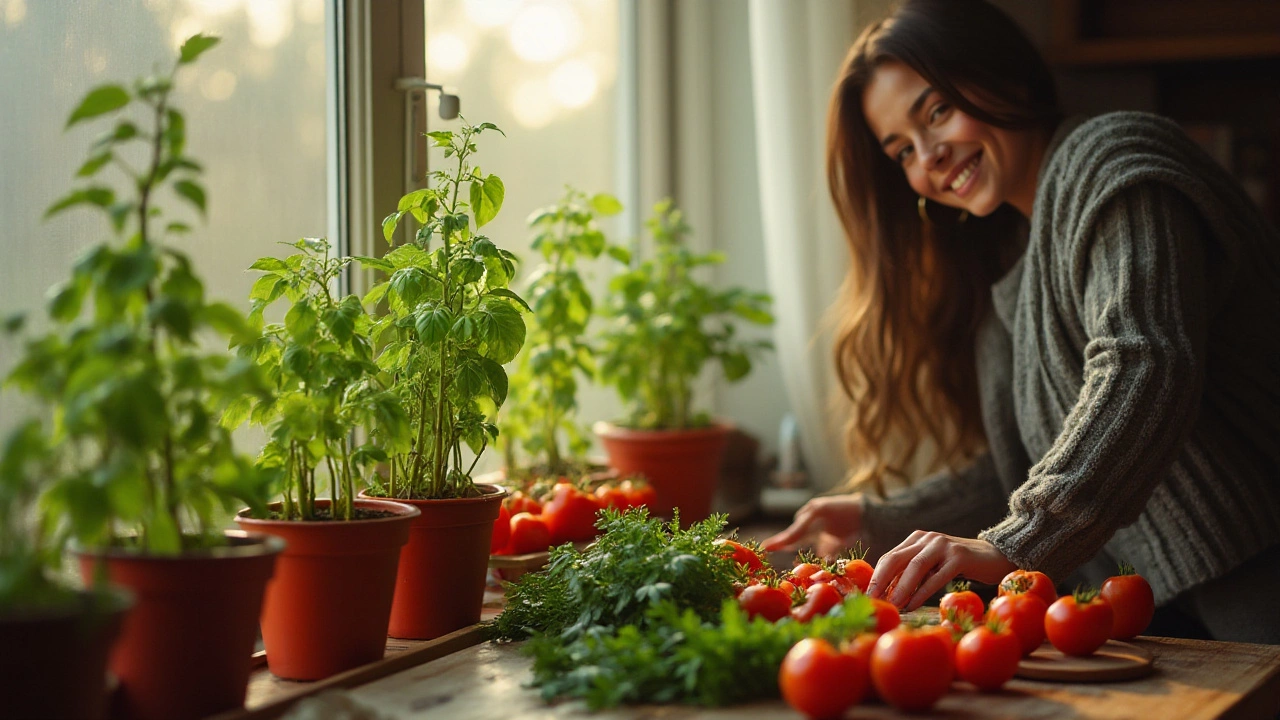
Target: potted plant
[(664, 326), (328, 606), (556, 352), (451, 324), (55, 639), (142, 464)]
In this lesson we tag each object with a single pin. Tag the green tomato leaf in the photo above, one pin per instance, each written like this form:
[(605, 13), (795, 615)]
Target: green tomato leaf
[(300, 321), (99, 101), (236, 413), (510, 295), (65, 300), (195, 46), (372, 263), (192, 193), (389, 224), (486, 198), (496, 377), (433, 323), (605, 204), (99, 196), (270, 264), (502, 331), (268, 288), (736, 366), (94, 164), (375, 294)]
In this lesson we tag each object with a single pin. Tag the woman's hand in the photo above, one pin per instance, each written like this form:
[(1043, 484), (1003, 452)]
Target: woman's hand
[(827, 523), (926, 561)]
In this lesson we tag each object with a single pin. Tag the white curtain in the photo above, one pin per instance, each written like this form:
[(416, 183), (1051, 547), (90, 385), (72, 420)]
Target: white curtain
[(796, 49)]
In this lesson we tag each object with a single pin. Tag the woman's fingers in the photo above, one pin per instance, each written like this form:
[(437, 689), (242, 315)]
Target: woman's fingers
[(892, 563), (931, 551), (945, 573)]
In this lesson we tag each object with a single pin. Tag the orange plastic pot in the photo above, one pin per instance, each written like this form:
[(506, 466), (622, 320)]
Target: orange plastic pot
[(440, 585), (184, 651), (327, 607), (682, 465), (54, 662)]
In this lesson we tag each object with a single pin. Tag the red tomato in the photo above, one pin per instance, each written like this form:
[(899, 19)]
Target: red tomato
[(1078, 624), (501, 531), (911, 669), (613, 497), (570, 515), (859, 571), (820, 598), (742, 555), (518, 502), (1132, 602), (638, 493), (887, 615), (861, 647), (820, 682), (1024, 615), (1033, 581), (944, 633), (787, 587), (988, 657), (964, 602), (824, 576), (771, 603), (528, 534)]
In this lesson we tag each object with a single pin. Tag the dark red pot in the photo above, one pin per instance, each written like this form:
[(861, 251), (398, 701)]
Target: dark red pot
[(682, 465), (54, 660)]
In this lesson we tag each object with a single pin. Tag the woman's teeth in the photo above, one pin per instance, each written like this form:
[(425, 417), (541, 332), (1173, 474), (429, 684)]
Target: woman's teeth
[(964, 175)]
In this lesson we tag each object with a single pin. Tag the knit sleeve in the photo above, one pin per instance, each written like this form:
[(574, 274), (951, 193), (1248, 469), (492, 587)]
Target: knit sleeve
[(958, 503), (1142, 310)]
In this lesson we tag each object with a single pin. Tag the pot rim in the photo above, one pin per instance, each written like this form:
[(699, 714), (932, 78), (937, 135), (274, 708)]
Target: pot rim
[(100, 601), (604, 428), (402, 512), (495, 492), (246, 545)]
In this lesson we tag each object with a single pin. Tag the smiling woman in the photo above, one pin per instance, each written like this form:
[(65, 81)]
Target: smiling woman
[(1072, 331)]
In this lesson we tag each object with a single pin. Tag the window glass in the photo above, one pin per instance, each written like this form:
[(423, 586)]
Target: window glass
[(545, 71), (255, 108)]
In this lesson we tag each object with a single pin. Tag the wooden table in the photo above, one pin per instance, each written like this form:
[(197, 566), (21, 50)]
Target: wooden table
[(1192, 679)]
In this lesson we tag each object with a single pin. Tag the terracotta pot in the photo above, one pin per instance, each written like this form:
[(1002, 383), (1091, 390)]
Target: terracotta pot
[(440, 585), (54, 660), (184, 651), (682, 465), (327, 607)]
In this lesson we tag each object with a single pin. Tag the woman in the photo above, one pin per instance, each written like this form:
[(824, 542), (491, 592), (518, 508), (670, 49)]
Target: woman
[(1079, 316)]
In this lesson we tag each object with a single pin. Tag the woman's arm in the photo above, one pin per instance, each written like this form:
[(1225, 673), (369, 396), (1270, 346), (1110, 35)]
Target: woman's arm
[(1142, 307)]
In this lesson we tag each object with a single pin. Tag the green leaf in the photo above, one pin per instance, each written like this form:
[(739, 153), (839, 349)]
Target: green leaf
[(99, 196), (269, 264), (268, 288), (510, 295), (433, 324), (409, 283), (65, 300), (736, 366), (228, 321), (236, 413), (605, 204), (394, 356), (94, 164), (486, 198), (195, 46), (99, 101), (389, 224), (373, 263), (375, 294), (502, 331), (300, 321), (176, 134), (497, 379), (192, 192), (619, 253), (443, 138), (341, 322)]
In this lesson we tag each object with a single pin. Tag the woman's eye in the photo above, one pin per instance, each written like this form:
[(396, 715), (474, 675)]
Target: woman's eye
[(902, 154), (938, 111)]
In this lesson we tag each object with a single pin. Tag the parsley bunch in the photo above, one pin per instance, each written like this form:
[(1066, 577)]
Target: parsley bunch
[(677, 656), (639, 562)]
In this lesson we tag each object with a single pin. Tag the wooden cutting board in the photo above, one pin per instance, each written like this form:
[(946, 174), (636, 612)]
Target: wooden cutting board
[(1114, 661)]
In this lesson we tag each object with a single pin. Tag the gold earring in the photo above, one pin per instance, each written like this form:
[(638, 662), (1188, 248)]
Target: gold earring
[(924, 214), (964, 215)]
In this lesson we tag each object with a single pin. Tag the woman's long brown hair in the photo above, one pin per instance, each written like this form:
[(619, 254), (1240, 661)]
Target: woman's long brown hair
[(916, 292)]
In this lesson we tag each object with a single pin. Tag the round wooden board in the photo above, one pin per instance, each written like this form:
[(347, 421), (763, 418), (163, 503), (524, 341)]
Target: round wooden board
[(1114, 661)]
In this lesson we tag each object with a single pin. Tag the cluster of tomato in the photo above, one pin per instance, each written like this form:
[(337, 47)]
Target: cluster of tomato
[(565, 513), (810, 589), (912, 667)]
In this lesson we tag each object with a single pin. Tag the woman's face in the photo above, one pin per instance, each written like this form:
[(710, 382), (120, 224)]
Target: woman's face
[(949, 157)]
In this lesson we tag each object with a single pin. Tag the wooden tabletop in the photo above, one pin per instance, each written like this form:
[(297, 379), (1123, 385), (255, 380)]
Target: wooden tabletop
[(1192, 679)]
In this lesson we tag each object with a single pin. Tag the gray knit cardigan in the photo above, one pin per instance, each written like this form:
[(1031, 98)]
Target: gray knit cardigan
[(1130, 374)]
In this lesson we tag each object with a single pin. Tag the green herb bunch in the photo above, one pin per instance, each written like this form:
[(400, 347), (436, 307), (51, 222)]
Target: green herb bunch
[(556, 348), (451, 326), (25, 555), (320, 363), (678, 656), (665, 326), (636, 564), (135, 445)]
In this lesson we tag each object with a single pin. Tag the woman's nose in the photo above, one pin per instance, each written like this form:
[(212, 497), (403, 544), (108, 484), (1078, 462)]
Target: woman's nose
[(935, 154)]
